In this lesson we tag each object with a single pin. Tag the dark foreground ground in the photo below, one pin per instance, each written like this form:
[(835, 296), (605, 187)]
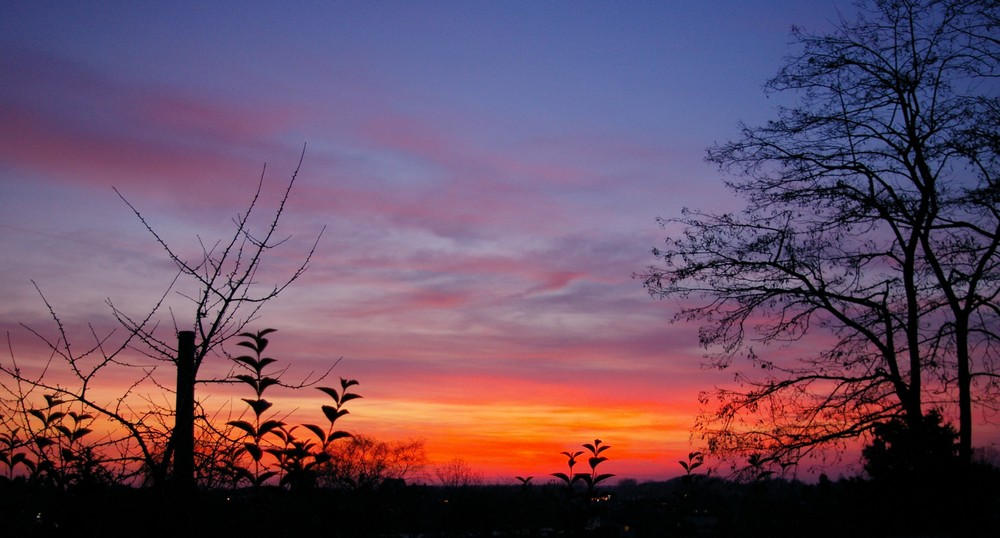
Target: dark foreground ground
[(697, 507)]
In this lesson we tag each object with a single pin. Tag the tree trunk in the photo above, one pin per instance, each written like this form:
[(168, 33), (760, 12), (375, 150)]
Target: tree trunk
[(183, 435), (964, 391)]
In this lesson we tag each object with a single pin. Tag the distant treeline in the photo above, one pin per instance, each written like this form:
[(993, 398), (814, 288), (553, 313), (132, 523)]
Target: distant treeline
[(696, 505)]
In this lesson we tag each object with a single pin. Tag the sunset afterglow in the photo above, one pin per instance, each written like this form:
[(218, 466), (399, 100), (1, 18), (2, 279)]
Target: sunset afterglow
[(488, 175)]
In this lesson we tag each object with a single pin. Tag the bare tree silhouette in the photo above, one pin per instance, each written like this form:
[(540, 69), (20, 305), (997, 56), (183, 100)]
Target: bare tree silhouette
[(871, 220), (154, 438)]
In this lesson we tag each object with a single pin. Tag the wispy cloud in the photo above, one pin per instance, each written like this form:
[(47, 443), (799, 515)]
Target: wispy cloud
[(484, 210)]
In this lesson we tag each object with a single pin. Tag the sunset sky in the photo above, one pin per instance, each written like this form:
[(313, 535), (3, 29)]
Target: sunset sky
[(489, 175)]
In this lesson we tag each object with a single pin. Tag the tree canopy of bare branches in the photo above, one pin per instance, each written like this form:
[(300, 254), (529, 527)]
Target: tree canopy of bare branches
[(364, 463), (229, 297), (860, 284)]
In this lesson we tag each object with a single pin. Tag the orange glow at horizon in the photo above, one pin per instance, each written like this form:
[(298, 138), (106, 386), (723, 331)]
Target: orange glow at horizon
[(500, 426), (501, 440)]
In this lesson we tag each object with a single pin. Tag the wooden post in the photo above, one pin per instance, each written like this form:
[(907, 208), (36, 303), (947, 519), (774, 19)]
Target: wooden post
[(183, 474)]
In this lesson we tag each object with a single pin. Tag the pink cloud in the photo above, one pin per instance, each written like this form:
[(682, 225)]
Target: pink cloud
[(63, 121), (33, 143), (405, 134), (219, 121)]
